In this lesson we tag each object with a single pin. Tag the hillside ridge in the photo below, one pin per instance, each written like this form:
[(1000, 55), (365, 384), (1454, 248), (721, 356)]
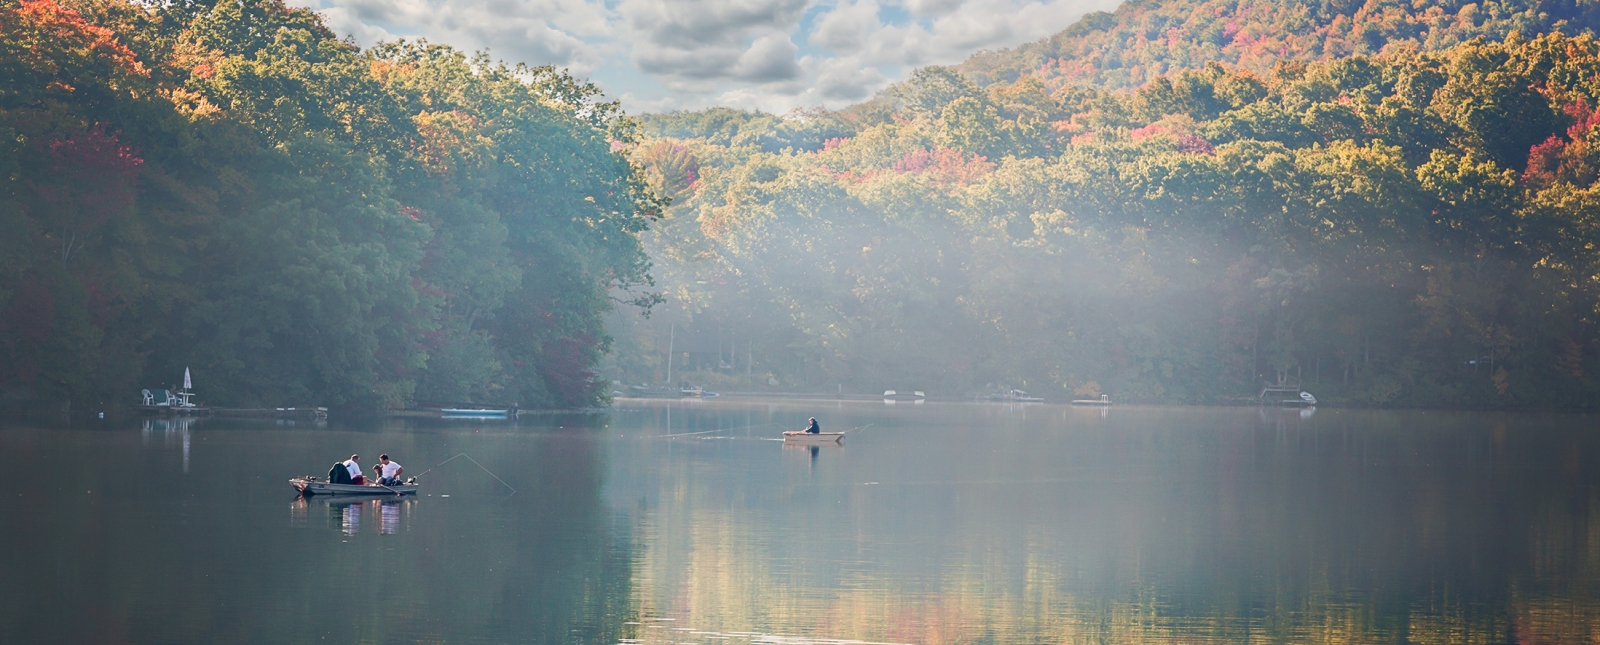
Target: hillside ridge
[(1145, 39)]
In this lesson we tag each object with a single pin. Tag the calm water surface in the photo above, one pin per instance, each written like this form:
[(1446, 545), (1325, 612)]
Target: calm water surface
[(939, 523)]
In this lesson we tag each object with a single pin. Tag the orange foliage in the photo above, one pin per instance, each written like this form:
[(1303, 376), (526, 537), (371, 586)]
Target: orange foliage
[(52, 40)]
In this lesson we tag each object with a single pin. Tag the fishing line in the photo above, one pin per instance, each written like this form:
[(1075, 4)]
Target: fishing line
[(685, 434), (859, 428), (475, 462)]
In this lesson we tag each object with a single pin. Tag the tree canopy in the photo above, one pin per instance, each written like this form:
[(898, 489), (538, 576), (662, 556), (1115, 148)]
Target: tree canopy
[(1404, 228), (229, 187)]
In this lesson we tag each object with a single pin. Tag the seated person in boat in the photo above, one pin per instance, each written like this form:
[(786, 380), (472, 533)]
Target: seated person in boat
[(354, 466), (388, 471), (814, 428)]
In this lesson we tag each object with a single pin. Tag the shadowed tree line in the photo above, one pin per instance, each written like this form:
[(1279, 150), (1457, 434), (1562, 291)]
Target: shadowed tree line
[(1406, 228), (227, 186)]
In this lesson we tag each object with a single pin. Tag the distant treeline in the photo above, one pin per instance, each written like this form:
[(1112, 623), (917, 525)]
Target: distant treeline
[(226, 186), (1409, 228), (1146, 39)]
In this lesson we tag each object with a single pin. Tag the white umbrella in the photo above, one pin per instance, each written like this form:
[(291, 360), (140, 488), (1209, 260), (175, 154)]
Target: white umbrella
[(186, 383)]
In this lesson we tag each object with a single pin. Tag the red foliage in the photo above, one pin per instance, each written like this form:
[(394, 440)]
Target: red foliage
[(1544, 160), (56, 41), (1194, 144), (945, 166), (1568, 160), (90, 170), (83, 181), (566, 369)]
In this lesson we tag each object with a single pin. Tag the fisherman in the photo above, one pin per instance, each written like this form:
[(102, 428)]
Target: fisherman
[(354, 466), (814, 429), (388, 471)]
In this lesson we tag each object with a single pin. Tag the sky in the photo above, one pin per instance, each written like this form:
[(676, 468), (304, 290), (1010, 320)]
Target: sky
[(772, 55)]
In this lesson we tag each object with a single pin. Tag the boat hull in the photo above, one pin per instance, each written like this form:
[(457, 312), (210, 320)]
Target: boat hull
[(801, 437), (1092, 402), (313, 488)]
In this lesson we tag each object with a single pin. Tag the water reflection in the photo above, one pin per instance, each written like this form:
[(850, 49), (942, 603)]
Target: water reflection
[(346, 514), (174, 429), (349, 516), (942, 524), (1157, 525)]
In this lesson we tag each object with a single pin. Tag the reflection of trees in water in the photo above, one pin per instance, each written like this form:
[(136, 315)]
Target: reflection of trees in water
[(568, 567), (154, 555), (1361, 527)]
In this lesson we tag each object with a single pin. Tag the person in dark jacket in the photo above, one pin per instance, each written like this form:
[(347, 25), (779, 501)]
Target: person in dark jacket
[(814, 429), (338, 474)]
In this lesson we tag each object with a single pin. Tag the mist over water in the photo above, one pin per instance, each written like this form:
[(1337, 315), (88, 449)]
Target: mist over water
[(936, 523)]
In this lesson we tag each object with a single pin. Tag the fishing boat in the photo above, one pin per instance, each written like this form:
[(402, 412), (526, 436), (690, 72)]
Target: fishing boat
[(311, 486), (1103, 401), (806, 438), (474, 412)]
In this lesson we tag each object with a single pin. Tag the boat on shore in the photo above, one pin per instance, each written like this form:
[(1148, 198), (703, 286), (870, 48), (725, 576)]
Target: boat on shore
[(805, 438), (312, 486)]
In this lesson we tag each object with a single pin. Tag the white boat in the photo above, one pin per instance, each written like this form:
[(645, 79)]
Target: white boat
[(1103, 401), (803, 437), (310, 486), (471, 412), (892, 395)]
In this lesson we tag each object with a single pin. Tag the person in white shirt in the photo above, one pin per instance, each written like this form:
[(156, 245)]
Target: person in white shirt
[(354, 466), (388, 471)]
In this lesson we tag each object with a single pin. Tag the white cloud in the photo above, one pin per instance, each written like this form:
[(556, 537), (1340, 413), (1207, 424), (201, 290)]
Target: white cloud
[(846, 29), (675, 54)]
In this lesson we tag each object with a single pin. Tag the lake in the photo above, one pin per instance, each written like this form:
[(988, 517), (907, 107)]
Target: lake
[(685, 522)]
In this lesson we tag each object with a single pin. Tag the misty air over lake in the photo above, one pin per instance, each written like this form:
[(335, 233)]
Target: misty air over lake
[(691, 321)]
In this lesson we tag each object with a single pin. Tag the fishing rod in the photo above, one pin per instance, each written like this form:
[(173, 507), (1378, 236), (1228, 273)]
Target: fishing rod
[(475, 462)]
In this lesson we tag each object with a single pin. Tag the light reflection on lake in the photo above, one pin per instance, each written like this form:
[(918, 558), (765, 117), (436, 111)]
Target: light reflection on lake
[(687, 522)]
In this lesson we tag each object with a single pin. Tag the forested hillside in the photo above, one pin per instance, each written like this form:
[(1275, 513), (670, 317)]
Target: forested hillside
[(228, 187), (1144, 39), (1407, 228)]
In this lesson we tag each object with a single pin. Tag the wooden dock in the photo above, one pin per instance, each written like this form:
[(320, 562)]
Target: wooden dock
[(313, 412)]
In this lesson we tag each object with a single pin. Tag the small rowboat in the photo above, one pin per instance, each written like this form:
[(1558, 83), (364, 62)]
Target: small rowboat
[(309, 487), (803, 437)]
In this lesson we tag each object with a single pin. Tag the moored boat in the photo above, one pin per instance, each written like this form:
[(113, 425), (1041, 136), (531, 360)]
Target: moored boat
[(803, 437), (1103, 401), (893, 395), (310, 486)]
